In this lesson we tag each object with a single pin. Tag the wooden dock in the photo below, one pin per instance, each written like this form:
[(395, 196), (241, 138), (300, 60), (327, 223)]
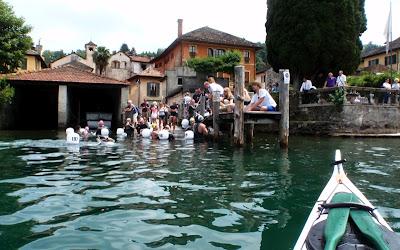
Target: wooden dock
[(253, 117)]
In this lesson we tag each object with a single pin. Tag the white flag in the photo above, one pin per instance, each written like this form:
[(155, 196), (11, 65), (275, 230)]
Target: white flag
[(388, 29)]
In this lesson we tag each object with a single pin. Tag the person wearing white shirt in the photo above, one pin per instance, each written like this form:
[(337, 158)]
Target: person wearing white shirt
[(212, 86), (341, 79), (395, 85), (262, 100), (306, 85), (386, 85)]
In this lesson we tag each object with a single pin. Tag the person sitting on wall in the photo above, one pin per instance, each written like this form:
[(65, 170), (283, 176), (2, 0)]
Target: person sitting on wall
[(305, 88), (262, 100), (386, 85), (330, 81)]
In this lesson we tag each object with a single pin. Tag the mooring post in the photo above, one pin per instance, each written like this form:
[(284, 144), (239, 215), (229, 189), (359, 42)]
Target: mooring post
[(238, 117), (284, 108), (249, 132), (215, 110)]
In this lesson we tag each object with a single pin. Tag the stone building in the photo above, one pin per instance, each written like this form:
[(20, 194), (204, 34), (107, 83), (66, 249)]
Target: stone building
[(74, 58), (33, 60), (378, 59), (201, 43), (148, 84), (122, 66)]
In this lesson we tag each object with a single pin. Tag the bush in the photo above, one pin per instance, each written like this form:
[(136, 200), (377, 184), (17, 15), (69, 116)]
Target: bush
[(370, 79), (6, 92)]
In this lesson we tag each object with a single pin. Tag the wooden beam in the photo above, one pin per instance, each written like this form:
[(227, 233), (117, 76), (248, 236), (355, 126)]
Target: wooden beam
[(238, 133), (284, 109), (215, 110)]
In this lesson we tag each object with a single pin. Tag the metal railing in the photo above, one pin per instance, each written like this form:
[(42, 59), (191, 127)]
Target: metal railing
[(353, 95)]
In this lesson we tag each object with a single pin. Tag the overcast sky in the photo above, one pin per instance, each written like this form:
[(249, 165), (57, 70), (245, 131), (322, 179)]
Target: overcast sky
[(151, 24)]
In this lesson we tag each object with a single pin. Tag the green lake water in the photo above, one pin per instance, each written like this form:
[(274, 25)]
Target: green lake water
[(179, 195)]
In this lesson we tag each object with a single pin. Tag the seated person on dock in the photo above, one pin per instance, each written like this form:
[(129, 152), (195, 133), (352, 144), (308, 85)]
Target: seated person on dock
[(227, 104), (262, 100)]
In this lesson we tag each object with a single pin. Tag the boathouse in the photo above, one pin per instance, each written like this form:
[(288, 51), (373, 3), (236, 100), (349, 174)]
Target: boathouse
[(65, 96)]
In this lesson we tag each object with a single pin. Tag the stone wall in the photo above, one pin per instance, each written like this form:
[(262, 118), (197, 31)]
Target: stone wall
[(348, 119)]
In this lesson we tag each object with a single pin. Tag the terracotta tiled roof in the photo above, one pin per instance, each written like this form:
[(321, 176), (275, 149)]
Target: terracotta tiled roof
[(79, 65), (32, 52), (140, 59), (66, 74), (149, 72), (209, 35), (394, 45)]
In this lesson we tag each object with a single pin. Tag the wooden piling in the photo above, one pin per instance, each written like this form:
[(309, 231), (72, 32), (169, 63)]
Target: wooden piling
[(202, 104), (238, 133), (215, 110), (284, 109)]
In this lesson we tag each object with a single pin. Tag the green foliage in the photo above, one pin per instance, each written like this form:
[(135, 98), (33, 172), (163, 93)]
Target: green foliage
[(100, 58), (369, 46), (368, 79), (152, 54), (261, 57), (51, 56), (6, 92), (14, 39), (81, 53), (337, 97), (225, 63), (124, 48), (309, 37)]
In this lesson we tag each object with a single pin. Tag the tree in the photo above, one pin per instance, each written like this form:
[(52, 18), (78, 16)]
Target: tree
[(100, 58), (369, 47), (51, 56), (225, 63), (6, 92), (14, 39), (132, 52), (124, 48), (311, 37), (81, 53), (261, 57)]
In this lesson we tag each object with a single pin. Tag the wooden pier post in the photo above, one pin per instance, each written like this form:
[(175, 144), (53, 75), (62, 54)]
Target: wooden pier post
[(238, 133), (202, 104), (284, 109), (215, 110)]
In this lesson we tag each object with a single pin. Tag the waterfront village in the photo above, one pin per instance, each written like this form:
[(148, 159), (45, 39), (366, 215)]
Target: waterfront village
[(188, 147)]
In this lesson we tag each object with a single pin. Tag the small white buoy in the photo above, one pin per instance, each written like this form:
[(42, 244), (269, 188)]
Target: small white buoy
[(145, 133), (120, 131), (69, 130), (73, 138), (185, 123), (189, 135), (163, 135), (105, 132)]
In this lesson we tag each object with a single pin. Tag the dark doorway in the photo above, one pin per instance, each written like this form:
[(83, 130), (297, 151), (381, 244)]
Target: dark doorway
[(93, 99), (35, 106)]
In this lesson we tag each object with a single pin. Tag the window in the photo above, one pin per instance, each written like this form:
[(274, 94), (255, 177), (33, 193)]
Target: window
[(125, 65), (246, 77), (246, 56), (144, 66), (373, 62), (219, 52), (389, 60), (115, 64), (180, 81), (210, 52), (24, 63), (153, 89), (192, 51), (263, 78)]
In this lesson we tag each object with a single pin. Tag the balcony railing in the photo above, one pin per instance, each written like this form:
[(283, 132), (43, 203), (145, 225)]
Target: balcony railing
[(353, 95)]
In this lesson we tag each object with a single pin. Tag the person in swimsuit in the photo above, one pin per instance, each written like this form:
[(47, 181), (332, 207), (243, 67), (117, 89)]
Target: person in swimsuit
[(173, 115), (200, 130)]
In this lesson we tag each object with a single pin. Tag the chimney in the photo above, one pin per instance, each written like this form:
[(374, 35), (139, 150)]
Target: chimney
[(180, 21)]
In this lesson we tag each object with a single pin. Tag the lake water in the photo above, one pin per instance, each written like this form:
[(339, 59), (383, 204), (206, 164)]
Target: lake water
[(179, 195)]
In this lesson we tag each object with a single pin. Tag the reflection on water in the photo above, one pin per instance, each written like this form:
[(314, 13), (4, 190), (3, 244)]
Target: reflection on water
[(179, 195)]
